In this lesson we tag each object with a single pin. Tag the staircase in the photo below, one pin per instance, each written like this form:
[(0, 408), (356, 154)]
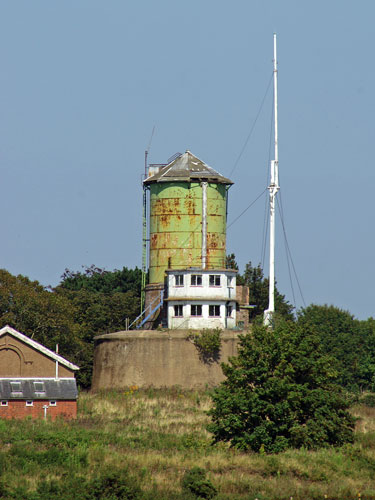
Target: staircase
[(148, 313)]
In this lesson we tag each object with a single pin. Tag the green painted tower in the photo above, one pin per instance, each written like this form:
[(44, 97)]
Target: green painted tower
[(188, 212)]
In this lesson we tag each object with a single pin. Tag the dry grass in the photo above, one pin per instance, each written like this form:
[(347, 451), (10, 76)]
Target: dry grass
[(172, 424), (158, 435)]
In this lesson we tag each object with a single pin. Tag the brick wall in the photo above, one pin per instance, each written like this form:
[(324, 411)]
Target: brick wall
[(18, 409)]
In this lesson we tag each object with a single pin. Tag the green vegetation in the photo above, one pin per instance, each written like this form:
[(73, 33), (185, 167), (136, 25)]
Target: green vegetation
[(197, 485), (350, 341), (96, 301), (143, 443), (208, 343), (82, 306), (253, 277), (280, 393)]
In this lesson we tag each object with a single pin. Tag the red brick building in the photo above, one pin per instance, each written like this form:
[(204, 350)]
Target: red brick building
[(34, 381)]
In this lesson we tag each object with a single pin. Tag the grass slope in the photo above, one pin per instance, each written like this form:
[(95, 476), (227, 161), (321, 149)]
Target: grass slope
[(156, 436)]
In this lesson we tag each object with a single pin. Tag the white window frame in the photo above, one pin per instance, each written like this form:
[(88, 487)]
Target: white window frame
[(178, 280), (29, 403), (215, 278), (16, 388), (182, 310), (214, 315), (196, 278), (53, 403), (4, 403), (39, 392), (196, 306)]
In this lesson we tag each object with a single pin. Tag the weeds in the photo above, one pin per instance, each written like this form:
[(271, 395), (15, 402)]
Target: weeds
[(150, 438), (208, 343)]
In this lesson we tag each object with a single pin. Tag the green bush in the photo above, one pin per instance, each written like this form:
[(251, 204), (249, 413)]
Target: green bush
[(208, 343), (113, 485), (279, 393), (195, 483), (368, 400), (108, 485)]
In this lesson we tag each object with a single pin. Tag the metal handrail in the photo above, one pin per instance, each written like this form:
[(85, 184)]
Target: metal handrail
[(148, 311)]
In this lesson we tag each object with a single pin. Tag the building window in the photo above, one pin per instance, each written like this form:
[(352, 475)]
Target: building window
[(39, 388), (196, 310), (4, 403), (178, 311), (214, 310), (214, 279), (229, 311), (29, 403), (229, 281), (179, 279), (15, 388), (52, 403), (196, 280)]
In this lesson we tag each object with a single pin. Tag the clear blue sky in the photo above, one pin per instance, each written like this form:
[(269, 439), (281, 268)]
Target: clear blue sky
[(82, 83)]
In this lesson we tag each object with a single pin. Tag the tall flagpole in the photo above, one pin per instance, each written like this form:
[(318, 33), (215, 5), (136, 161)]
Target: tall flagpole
[(273, 188)]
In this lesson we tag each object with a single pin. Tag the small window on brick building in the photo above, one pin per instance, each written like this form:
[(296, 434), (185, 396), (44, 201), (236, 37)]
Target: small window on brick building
[(214, 279), (4, 403), (15, 388), (39, 388), (196, 310), (29, 403), (214, 310), (178, 310), (52, 403), (179, 279)]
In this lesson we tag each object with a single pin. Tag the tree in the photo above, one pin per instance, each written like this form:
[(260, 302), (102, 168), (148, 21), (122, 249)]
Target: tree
[(259, 293), (82, 306), (280, 392), (350, 341), (45, 316), (253, 278), (96, 279)]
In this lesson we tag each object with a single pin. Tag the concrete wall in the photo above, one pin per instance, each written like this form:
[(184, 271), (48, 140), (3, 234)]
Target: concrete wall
[(157, 359)]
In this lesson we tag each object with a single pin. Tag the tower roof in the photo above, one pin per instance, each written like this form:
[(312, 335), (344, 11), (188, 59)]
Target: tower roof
[(187, 168)]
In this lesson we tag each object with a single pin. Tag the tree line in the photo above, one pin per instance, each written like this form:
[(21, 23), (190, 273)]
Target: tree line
[(84, 304), (93, 301)]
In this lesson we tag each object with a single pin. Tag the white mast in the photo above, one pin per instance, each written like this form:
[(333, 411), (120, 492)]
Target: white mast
[(273, 188)]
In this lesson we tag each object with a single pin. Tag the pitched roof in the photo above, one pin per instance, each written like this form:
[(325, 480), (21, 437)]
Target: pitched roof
[(187, 168), (39, 347), (38, 388)]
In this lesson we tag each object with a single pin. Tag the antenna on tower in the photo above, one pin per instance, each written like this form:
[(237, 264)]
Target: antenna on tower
[(144, 227), (273, 188)]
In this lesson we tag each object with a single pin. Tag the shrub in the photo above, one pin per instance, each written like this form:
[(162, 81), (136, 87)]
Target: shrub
[(208, 343), (280, 393), (368, 400), (109, 485), (195, 482), (115, 484)]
